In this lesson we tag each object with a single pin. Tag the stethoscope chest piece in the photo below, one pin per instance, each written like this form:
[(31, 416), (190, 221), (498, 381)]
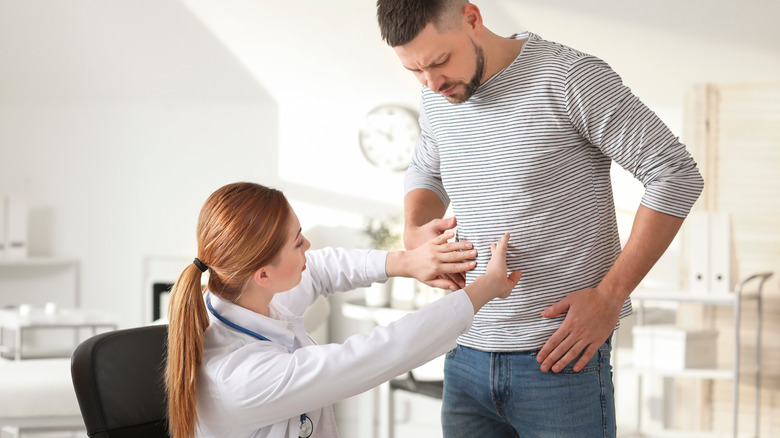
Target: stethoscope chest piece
[(306, 428)]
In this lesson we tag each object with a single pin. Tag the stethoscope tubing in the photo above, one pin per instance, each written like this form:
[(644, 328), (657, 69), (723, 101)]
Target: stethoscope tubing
[(306, 428)]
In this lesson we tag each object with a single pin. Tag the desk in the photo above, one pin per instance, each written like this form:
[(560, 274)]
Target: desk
[(384, 417), (74, 319), (358, 309)]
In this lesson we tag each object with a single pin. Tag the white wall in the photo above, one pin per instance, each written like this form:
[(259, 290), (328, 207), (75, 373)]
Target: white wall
[(117, 119), (328, 66)]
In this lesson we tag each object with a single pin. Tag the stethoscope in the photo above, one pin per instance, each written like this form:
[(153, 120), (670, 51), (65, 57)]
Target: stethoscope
[(307, 427)]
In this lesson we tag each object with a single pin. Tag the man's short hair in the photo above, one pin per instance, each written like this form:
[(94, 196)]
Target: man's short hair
[(400, 21)]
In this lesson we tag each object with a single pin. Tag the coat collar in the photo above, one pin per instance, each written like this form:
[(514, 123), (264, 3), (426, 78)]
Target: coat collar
[(279, 331)]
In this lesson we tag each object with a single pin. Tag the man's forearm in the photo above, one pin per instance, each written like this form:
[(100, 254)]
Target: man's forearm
[(651, 234), (420, 207)]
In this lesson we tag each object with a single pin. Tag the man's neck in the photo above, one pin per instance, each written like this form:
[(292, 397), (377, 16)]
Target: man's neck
[(500, 52)]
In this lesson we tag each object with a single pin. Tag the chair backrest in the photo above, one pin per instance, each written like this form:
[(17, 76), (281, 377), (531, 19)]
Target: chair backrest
[(118, 378)]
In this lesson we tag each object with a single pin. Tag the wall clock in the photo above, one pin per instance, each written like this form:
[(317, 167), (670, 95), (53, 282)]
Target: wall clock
[(388, 137)]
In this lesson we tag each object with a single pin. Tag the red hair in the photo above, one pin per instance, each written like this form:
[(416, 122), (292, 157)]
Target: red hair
[(241, 228)]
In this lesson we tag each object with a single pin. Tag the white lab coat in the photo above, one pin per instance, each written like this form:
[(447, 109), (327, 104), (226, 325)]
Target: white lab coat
[(253, 388)]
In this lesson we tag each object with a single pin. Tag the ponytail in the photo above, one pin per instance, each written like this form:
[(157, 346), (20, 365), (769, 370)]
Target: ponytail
[(240, 229), (187, 321)]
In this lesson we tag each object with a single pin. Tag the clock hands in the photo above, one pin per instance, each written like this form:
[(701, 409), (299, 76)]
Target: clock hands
[(386, 133), (388, 136)]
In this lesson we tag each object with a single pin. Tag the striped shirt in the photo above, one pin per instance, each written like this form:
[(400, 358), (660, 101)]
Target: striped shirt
[(529, 153)]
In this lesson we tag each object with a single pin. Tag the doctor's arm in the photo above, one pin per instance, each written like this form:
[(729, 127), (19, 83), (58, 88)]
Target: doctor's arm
[(432, 260), (423, 211), (266, 384)]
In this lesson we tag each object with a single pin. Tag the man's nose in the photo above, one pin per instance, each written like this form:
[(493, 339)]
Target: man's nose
[(432, 80)]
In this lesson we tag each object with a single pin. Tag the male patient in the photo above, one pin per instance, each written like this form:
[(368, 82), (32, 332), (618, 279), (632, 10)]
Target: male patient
[(518, 134)]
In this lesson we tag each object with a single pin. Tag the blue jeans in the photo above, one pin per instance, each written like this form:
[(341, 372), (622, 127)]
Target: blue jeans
[(494, 395)]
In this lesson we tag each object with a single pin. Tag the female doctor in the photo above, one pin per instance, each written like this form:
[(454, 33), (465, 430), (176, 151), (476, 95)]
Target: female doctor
[(239, 361)]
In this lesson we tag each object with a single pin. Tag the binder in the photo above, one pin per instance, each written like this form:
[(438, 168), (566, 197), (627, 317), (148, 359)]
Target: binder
[(699, 262), (2, 226), (711, 262), (722, 273), (16, 228)]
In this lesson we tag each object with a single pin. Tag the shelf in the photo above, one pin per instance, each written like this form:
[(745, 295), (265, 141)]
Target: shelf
[(703, 373), (681, 434), (8, 353), (39, 280), (723, 299), (75, 320), (734, 374), (64, 318), (37, 261)]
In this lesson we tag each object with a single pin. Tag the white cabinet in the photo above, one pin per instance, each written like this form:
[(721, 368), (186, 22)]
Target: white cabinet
[(74, 321), (39, 280), (33, 282), (670, 344)]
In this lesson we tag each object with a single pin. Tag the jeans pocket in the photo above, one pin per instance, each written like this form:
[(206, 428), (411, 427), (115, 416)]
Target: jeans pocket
[(593, 365), (450, 354)]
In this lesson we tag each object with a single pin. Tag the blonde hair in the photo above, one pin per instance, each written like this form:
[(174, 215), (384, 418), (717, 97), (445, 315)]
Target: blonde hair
[(241, 228)]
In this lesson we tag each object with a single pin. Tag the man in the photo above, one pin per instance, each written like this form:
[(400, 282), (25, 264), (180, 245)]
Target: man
[(518, 134)]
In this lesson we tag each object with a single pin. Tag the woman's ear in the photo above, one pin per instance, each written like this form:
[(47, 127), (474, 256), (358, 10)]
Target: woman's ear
[(261, 278)]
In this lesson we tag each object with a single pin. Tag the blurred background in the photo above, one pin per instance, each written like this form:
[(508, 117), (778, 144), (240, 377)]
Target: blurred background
[(118, 118)]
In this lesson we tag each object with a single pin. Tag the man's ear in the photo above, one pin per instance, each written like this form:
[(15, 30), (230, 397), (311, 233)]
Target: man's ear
[(261, 277), (473, 17)]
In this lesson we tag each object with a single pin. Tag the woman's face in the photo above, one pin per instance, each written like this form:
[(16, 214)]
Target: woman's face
[(287, 269)]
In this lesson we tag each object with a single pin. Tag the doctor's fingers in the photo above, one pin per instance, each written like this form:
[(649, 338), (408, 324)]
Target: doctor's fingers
[(456, 256), (443, 244), (454, 271), (452, 281), (444, 283)]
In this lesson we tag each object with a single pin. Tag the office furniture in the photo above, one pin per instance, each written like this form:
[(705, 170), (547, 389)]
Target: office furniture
[(39, 280), (358, 309), (735, 373), (36, 396), (37, 318), (408, 383), (118, 378), (36, 390)]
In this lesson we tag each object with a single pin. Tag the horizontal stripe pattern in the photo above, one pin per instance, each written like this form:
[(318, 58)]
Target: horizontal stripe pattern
[(530, 154)]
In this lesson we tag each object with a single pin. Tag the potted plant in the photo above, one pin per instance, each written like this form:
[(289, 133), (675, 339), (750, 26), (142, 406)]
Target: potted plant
[(384, 234)]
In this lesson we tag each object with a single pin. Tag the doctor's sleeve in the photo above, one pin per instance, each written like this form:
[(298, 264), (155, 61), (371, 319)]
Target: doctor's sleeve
[(330, 270), (283, 385)]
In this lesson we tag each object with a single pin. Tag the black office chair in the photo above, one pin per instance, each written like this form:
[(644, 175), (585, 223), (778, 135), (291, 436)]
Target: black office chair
[(408, 383), (118, 378)]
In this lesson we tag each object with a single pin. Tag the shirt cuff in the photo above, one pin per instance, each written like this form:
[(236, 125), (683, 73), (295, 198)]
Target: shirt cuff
[(376, 259), (462, 309)]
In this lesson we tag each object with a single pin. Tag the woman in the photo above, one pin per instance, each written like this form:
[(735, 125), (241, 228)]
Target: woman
[(240, 363)]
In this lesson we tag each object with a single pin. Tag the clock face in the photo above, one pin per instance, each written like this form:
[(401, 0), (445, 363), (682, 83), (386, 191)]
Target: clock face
[(388, 136)]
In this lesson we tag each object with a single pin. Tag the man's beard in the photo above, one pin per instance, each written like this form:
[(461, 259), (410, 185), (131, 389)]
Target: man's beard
[(472, 86)]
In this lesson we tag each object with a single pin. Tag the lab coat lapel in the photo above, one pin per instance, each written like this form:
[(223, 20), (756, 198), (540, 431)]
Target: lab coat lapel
[(278, 332)]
